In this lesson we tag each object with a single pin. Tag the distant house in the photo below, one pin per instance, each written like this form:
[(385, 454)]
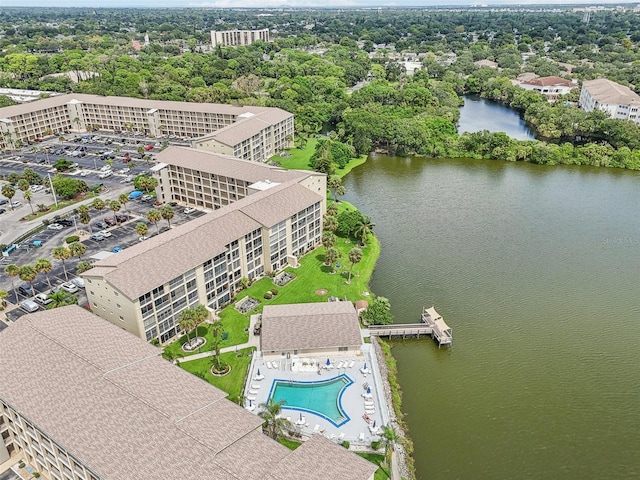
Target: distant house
[(550, 87), (325, 328), (486, 63), (618, 101)]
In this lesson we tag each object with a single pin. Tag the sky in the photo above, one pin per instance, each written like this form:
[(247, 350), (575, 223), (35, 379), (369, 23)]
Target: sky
[(280, 3)]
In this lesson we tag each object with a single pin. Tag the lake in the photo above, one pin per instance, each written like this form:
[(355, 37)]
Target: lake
[(536, 270), (479, 114)]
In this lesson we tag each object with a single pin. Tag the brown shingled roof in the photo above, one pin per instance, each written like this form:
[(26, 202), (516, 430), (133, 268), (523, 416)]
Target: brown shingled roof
[(107, 398), (309, 326), (551, 81)]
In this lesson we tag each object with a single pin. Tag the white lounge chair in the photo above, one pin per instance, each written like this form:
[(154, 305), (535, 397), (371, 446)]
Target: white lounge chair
[(255, 386), (251, 407), (340, 365), (352, 363), (251, 397), (361, 437), (275, 365), (253, 392), (268, 364), (369, 404), (341, 436), (370, 411), (257, 378), (316, 429)]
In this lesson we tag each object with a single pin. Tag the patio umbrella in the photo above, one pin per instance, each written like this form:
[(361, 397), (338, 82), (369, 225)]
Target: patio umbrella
[(374, 424), (300, 417), (369, 390), (328, 362), (249, 402), (258, 372), (365, 366)]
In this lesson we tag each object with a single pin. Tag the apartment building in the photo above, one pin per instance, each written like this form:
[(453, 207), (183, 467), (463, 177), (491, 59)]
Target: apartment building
[(210, 181), (618, 101), (144, 288), (253, 133), (550, 87), (80, 399), (233, 38)]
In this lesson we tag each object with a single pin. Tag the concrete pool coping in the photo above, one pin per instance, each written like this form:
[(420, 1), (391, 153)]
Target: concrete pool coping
[(356, 430)]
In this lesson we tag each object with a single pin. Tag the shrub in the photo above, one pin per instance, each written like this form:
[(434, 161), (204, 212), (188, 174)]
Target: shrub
[(268, 295), (346, 444), (72, 238), (375, 445), (274, 291)]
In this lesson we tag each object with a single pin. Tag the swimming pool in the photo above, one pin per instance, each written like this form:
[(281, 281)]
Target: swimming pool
[(322, 398)]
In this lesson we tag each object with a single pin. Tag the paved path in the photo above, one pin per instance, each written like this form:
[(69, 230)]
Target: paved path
[(254, 341)]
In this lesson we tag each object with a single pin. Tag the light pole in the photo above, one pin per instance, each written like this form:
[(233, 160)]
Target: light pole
[(53, 190)]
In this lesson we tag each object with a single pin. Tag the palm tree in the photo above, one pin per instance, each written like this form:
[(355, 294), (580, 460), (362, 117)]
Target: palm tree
[(84, 216), (142, 229), (388, 439), (331, 223), (77, 249), (167, 213), (62, 253), (154, 216), (355, 255), (334, 183), (8, 191), (186, 322), (363, 229), (274, 425), (124, 199), (83, 266), (115, 207), (332, 210), (3, 296), (44, 265), (98, 204), (328, 239), (331, 256), (12, 270), (28, 274), (27, 196)]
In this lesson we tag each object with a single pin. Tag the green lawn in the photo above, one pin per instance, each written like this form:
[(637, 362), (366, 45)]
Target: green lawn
[(377, 459), (290, 444), (232, 383), (299, 158)]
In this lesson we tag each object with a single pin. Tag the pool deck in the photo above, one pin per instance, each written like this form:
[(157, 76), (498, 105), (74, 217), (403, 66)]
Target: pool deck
[(356, 430)]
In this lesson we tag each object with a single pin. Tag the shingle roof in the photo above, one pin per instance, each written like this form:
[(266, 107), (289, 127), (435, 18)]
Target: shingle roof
[(308, 458), (246, 128), (606, 91), (309, 326), (107, 398), (142, 267), (226, 165), (551, 81)]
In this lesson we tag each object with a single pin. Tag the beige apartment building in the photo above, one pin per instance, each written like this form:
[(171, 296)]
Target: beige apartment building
[(253, 133), (618, 101), (80, 399), (144, 288), (233, 38)]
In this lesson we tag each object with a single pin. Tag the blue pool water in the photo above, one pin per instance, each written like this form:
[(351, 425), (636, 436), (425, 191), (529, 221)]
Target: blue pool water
[(321, 398)]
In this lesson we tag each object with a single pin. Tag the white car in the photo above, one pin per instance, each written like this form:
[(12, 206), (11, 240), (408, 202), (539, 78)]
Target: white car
[(106, 174), (69, 287), (142, 238), (78, 282), (146, 198), (84, 173), (16, 203), (189, 210), (105, 168), (42, 299), (36, 188), (105, 233), (55, 226)]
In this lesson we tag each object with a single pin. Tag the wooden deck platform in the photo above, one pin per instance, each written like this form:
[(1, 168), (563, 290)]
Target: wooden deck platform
[(431, 324)]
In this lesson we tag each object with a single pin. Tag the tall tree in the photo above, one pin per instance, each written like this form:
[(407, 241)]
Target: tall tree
[(363, 229), (142, 229), (355, 255), (27, 196), (98, 204), (84, 216), (154, 216), (124, 199), (77, 249), (62, 253), (167, 213), (12, 270), (44, 265), (330, 223), (115, 206), (28, 274), (331, 256), (328, 239), (9, 192), (186, 322), (274, 424)]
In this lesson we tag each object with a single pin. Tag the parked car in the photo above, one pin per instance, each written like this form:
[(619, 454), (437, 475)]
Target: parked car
[(43, 299), (69, 287), (101, 225), (146, 198), (36, 188), (65, 222), (97, 237), (29, 306), (122, 218), (4, 201), (105, 233), (173, 204), (110, 221), (116, 249), (142, 238), (106, 174), (55, 226), (148, 147), (16, 203), (26, 290), (78, 282), (84, 173), (105, 168), (189, 210)]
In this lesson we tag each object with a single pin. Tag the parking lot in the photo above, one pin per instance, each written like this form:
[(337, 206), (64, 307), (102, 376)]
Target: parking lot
[(123, 235)]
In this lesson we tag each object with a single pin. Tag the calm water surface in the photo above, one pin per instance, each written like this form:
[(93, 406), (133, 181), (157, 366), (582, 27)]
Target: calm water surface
[(536, 269), (480, 114)]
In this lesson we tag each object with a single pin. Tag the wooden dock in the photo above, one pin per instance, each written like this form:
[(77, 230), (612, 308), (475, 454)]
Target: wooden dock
[(431, 324)]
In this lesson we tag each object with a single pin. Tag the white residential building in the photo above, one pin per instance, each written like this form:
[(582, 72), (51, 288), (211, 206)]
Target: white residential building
[(233, 38), (618, 101)]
